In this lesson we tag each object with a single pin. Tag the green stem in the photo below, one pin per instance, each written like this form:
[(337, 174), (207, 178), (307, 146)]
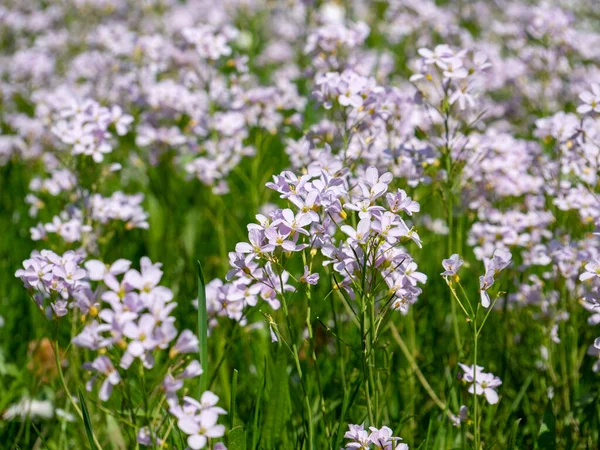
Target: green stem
[(69, 396), (475, 399)]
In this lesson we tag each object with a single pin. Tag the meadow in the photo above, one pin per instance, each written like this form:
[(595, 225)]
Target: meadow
[(311, 225)]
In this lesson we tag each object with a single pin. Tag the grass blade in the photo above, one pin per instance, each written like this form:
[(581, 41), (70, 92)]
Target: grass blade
[(236, 439), (202, 329), (86, 420), (547, 434), (512, 437), (234, 384)]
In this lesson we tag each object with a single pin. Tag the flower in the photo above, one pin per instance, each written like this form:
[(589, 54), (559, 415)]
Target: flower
[(590, 99), (103, 366), (309, 278), (463, 414), (481, 382), (592, 270), (199, 419), (452, 265)]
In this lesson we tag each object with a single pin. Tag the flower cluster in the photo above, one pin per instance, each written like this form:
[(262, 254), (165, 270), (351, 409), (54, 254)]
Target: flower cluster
[(326, 205), (53, 277), (85, 127), (453, 72), (375, 438)]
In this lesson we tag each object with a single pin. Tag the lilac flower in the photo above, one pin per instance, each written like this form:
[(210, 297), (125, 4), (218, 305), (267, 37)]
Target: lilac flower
[(254, 247), (199, 419), (481, 382), (290, 223), (309, 278), (172, 383), (278, 237), (360, 234), (452, 265), (358, 435), (103, 367), (592, 270), (141, 334), (485, 282), (383, 439), (590, 99), (186, 343), (97, 270), (463, 414), (401, 202)]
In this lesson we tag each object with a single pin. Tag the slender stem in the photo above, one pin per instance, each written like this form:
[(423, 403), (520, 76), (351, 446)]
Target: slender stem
[(294, 350), (457, 299), (475, 399), (487, 314), (366, 363), (69, 396), (372, 356)]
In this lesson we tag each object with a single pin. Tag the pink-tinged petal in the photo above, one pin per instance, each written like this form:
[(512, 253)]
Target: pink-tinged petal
[(363, 226), (188, 425), (135, 348), (303, 219), (131, 330), (371, 175), (243, 247), (348, 230), (586, 276), (288, 215), (111, 282), (96, 269), (420, 277), (288, 246), (196, 441), (126, 360), (208, 399), (425, 53), (134, 279), (216, 431), (485, 299), (120, 266), (147, 323), (114, 377), (491, 396), (105, 390)]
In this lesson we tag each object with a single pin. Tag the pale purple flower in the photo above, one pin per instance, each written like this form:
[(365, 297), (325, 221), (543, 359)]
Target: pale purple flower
[(481, 382), (97, 270), (360, 234), (590, 99), (592, 270), (309, 278), (103, 367), (452, 265)]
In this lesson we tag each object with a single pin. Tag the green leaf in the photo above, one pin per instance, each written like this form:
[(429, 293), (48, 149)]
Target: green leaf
[(512, 437), (39, 435), (236, 439), (279, 406), (114, 433), (547, 433), (86, 420), (202, 329)]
